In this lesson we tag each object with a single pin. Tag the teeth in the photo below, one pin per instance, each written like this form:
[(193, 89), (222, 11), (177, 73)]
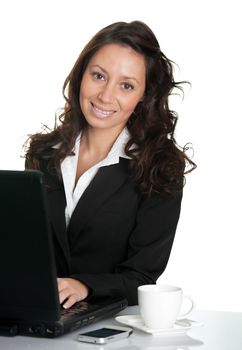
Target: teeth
[(102, 111)]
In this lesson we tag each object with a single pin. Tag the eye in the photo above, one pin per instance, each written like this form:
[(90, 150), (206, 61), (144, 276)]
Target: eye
[(127, 86), (98, 76)]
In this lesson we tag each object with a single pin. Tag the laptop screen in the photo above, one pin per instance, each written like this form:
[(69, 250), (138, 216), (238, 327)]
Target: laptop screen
[(27, 269)]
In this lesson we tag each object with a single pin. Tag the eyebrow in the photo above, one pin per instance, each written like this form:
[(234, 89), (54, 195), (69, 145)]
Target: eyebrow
[(124, 77)]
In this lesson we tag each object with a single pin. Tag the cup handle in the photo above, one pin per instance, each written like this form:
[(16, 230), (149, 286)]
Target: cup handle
[(189, 310)]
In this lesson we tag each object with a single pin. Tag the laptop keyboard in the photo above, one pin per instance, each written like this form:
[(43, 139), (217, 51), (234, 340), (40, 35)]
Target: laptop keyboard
[(77, 309)]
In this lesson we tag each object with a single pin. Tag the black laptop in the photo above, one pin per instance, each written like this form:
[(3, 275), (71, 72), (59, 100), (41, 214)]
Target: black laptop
[(29, 303)]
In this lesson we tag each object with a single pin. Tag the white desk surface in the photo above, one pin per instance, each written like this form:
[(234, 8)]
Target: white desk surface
[(221, 331)]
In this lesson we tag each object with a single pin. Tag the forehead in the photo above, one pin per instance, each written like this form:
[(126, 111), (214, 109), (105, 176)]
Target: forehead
[(114, 56)]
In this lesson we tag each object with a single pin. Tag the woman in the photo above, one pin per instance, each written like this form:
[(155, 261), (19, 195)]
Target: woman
[(113, 171)]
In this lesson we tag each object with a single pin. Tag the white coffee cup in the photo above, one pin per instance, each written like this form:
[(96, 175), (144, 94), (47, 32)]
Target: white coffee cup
[(160, 305)]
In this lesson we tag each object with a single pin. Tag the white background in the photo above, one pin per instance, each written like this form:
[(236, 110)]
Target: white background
[(41, 39)]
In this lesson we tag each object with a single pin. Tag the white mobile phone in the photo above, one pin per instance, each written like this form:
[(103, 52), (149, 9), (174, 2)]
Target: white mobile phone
[(105, 335)]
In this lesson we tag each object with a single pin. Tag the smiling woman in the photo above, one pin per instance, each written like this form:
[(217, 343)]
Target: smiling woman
[(113, 170), (111, 88)]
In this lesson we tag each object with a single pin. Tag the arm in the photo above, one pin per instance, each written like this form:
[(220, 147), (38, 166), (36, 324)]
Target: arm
[(149, 249)]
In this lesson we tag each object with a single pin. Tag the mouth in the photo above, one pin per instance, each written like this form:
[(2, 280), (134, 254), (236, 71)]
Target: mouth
[(101, 112)]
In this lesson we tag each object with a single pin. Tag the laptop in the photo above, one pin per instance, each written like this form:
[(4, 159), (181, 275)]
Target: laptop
[(29, 302)]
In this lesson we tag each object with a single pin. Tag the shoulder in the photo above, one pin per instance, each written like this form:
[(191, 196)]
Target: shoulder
[(154, 197), (167, 202)]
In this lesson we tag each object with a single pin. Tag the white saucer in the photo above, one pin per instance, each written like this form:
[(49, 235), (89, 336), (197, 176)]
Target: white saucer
[(180, 326)]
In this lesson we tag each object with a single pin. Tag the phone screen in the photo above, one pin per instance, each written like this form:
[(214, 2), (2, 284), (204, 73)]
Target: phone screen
[(103, 333)]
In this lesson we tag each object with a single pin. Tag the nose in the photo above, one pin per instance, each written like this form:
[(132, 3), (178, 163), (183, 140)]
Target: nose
[(106, 94)]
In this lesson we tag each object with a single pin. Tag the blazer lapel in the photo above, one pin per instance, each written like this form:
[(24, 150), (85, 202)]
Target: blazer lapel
[(96, 194)]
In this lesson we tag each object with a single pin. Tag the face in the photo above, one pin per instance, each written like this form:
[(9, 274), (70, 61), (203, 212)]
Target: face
[(112, 85)]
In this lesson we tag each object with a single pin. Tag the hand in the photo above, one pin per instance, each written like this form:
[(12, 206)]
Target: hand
[(71, 291)]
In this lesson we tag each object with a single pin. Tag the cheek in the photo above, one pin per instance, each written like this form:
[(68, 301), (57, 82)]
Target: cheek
[(84, 92), (130, 103), (84, 87)]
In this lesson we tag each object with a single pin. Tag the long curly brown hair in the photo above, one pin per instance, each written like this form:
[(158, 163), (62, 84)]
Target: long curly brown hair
[(157, 162)]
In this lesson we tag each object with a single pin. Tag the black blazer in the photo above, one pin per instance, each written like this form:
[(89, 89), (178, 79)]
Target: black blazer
[(117, 239)]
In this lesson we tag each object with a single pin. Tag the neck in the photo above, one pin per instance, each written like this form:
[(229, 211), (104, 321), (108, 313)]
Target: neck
[(99, 141)]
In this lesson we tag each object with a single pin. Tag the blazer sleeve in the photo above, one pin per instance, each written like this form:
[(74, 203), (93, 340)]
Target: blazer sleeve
[(148, 248)]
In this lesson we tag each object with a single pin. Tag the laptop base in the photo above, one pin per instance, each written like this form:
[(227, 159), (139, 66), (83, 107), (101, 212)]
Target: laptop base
[(89, 312)]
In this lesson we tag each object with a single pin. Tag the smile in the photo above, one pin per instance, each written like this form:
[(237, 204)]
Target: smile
[(101, 113)]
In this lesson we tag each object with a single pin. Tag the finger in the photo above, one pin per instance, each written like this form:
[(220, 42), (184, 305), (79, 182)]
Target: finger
[(64, 294), (70, 301)]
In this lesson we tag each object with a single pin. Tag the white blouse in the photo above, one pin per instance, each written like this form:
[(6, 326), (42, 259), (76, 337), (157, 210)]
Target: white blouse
[(69, 167)]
